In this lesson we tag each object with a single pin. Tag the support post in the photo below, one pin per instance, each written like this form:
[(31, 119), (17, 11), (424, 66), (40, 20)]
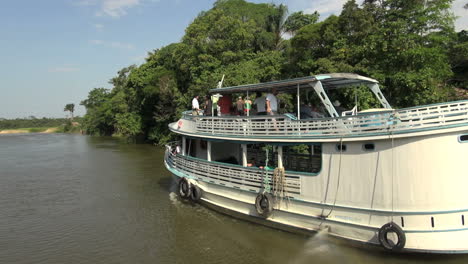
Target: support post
[(280, 156), (324, 97), (298, 103), (184, 146), (248, 110), (376, 90), (244, 155), (208, 150)]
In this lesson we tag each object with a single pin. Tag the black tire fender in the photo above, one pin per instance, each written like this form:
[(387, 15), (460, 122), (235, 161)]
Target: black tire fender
[(384, 241), (264, 204), (196, 193), (184, 188)]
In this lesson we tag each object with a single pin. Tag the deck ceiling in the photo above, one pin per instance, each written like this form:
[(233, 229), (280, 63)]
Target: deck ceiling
[(329, 82)]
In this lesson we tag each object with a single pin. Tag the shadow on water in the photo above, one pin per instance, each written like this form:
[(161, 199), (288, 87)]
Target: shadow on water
[(167, 184)]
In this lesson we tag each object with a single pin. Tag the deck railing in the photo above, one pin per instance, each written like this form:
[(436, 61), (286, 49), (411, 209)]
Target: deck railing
[(392, 121), (229, 175)]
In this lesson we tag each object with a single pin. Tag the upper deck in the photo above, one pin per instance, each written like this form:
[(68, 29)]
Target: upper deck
[(285, 128), (414, 121)]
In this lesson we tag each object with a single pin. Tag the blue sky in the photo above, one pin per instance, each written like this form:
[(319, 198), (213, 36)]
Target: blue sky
[(53, 52)]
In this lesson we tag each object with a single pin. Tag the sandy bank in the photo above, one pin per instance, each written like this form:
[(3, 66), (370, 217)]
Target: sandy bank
[(51, 130), (22, 131), (13, 131)]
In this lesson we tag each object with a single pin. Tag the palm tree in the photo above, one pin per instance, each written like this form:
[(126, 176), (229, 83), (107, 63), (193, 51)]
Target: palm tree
[(276, 23), (70, 108)]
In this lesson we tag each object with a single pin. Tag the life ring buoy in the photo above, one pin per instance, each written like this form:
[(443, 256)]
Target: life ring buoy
[(386, 243), (264, 204), (196, 193), (184, 188)]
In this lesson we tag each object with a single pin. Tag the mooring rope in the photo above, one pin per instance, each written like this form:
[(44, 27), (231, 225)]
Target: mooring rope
[(279, 185), (338, 181)]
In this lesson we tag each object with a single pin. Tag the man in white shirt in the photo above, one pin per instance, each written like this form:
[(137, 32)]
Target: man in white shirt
[(195, 106), (260, 103), (272, 102)]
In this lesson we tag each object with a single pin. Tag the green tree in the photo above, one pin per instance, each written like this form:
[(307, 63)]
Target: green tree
[(70, 108), (298, 20)]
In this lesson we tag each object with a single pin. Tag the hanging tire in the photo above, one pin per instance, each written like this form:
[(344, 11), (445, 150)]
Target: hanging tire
[(184, 188), (264, 204), (196, 193), (386, 243)]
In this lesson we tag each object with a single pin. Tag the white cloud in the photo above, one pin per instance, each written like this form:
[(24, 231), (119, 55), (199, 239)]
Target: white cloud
[(462, 14), (139, 59), (117, 8), (112, 44), (99, 27), (64, 69), (96, 41), (112, 8), (324, 7), (327, 8)]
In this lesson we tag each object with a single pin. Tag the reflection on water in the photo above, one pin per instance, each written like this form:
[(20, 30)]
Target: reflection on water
[(77, 199)]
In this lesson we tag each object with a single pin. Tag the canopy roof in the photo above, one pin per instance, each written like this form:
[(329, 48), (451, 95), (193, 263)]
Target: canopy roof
[(329, 81)]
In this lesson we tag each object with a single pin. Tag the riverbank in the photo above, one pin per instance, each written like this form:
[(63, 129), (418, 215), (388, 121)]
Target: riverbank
[(30, 130)]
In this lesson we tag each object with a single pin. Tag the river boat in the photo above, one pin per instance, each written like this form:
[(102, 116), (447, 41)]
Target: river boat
[(394, 178)]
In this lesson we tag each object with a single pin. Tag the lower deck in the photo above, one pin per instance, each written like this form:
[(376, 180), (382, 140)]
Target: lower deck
[(353, 187)]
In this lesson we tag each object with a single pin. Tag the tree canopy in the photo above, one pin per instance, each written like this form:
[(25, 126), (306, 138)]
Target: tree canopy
[(411, 47)]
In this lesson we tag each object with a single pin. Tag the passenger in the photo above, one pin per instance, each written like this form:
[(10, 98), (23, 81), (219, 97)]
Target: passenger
[(316, 113), (338, 107), (214, 100), (272, 106), (208, 106), (260, 103), (247, 106), (305, 110), (240, 106), (176, 150), (272, 102), (225, 104), (195, 106), (252, 163)]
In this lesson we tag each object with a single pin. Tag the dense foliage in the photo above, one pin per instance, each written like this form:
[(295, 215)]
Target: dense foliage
[(409, 46)]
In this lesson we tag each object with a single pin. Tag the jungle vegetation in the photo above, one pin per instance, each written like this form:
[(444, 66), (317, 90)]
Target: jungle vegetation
[(410, 47)]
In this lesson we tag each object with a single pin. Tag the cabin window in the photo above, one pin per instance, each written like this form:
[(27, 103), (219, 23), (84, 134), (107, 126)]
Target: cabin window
[(226, 152), (302, 158), (463, 138), (341, 147), (262, 155), (368, 147)]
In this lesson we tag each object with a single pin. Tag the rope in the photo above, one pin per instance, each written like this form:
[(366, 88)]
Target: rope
[(338, 181), (393, 158), (279, 184)]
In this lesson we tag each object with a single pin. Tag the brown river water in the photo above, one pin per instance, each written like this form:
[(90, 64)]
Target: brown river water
[(78, 199)]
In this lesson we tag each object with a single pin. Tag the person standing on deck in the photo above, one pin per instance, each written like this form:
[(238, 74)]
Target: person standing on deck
[(260, 103), (195, 105), (247, 106), (272, 102), (208, 106), (338, 107), (240, 106)]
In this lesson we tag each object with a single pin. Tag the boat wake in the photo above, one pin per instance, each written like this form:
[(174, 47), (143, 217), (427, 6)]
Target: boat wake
[(319, 249)]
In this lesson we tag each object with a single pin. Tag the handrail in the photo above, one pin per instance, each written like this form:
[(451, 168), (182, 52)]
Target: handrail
[(229, 175), (402, 120)]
